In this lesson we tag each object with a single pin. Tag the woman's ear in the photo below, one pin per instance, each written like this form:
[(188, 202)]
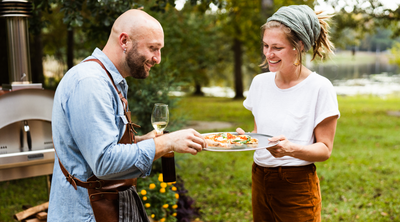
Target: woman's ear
[(301, 46)]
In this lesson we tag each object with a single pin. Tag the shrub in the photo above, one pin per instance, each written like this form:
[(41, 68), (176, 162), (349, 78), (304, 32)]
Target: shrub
[(166, 201), (159, 198)]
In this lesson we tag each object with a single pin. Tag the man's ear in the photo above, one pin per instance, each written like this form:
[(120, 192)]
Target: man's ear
[(123, 39)]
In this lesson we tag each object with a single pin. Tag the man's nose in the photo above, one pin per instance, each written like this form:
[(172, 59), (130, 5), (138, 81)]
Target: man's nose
[(157, 59)]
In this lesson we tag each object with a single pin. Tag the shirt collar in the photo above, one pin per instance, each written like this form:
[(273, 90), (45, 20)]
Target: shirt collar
[(117, 77)]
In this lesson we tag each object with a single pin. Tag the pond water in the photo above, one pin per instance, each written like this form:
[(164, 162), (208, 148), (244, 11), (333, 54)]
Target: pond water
[(345, 72), (378, 78)]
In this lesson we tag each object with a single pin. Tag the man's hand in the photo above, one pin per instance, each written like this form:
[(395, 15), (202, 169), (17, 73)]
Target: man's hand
[(182, 141)]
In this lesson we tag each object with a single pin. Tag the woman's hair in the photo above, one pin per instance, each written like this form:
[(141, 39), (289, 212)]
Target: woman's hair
[(318, 48)]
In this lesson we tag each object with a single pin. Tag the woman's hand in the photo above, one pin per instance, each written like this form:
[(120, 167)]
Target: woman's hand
[(240, 131), (149, 135), (283, 148)]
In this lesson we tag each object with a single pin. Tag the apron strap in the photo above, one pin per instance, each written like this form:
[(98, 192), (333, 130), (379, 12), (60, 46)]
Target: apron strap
[(127, 138)]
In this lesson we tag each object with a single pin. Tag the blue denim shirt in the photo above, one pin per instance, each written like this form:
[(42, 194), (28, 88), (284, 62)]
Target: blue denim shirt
[(87, 123)]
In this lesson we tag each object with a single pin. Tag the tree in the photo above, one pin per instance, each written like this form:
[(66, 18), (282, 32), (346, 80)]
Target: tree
[(240, 23), (360, 18), (191, 44)]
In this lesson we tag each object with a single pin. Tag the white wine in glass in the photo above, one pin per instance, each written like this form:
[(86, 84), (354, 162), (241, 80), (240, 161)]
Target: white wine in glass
[(160, 117), (159, 120)]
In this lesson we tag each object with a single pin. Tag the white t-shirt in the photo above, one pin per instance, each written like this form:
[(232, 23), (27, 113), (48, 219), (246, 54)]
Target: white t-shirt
[(292, 112)]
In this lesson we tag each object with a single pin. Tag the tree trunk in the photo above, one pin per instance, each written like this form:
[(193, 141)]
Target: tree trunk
[(70, 48), (237, 51), (267, 10), (36, 53), (197, 91)]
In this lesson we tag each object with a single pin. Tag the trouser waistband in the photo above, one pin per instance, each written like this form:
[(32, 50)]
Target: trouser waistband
[(286, 168)]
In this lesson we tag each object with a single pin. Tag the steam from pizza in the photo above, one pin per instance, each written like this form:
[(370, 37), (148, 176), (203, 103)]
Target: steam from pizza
[(229, 140)]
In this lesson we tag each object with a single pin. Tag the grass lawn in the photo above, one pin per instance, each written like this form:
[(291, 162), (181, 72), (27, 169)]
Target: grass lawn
[(360, 182)]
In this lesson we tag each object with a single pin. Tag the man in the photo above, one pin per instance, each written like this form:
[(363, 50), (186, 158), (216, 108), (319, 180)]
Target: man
[(88, 118)]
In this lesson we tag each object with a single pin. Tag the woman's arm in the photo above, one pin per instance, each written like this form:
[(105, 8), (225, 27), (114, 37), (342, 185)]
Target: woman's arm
[(318, 152)]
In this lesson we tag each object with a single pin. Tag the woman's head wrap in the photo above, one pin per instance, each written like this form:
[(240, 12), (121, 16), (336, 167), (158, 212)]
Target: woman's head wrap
[(302, 20)]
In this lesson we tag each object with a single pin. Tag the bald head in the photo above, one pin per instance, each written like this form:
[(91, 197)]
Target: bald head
[(135, 22), (135, 33)]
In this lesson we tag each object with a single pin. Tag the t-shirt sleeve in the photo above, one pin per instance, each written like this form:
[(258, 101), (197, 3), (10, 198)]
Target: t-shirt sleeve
[(327, 104), (249, 101)]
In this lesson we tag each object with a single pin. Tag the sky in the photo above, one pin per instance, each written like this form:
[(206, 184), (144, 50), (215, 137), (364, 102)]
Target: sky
[(393, 4)]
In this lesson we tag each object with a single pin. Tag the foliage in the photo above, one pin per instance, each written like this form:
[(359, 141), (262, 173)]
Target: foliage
[(186, 210), (395, 51), (191, 44), (144, 93), (159, 198), (354, 20)]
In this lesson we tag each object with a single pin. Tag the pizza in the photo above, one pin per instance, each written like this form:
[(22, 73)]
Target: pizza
[(229, 140)]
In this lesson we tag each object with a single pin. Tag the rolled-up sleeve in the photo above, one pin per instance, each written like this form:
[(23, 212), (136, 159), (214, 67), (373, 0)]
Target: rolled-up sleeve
[(145, 160)]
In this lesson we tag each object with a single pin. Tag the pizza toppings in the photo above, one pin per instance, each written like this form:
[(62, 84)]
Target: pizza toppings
[(230, 140)]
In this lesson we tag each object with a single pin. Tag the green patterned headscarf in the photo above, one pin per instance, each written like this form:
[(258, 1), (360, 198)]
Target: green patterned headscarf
[(302, 20)]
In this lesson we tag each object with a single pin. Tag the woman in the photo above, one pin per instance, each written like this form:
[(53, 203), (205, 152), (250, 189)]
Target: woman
[(299, 108)]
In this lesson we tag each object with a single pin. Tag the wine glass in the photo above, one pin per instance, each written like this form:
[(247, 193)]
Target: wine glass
[(160, 117)]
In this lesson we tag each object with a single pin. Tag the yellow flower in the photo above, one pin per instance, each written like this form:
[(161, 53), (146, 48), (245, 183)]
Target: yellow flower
[(162, 190), (165, 206), (143, 192), (160, 177), (163, 185), (177, 196), (162, 220), (175, 206), (152, 186), (147, 205), (152, 216), (169, 183), (173, 189), (174, 214), (144, 198)]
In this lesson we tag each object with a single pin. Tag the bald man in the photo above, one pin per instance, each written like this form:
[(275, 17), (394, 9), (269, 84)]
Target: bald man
[(89, 119)]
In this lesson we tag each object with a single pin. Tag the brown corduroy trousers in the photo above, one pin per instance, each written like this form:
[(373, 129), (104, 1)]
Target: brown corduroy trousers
[(287, 194)]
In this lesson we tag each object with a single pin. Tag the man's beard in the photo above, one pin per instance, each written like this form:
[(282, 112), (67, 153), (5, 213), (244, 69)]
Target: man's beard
[(136, 63)]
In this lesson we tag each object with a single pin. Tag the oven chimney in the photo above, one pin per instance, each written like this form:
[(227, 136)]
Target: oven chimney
[(16, 13)]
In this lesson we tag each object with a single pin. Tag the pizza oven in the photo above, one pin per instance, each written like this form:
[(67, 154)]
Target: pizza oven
[(26, 148)]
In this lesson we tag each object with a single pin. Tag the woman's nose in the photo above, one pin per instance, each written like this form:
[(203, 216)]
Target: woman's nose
[(268, 53)]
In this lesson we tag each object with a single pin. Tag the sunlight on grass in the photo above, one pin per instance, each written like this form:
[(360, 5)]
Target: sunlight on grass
[(358, 183)]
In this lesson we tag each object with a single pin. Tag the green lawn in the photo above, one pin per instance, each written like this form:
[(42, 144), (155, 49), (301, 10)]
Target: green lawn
[(360, 182)]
